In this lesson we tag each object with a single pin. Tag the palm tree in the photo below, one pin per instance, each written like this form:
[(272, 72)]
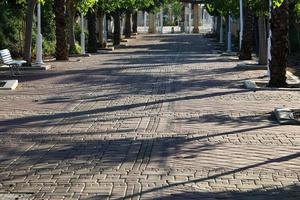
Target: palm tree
[(263, 47), (71, 11), (134, 22), (28, 32), (127, 29), (100, 15), (117, 28), (92, 40), (247, 42), (280, 45), (60, 23)]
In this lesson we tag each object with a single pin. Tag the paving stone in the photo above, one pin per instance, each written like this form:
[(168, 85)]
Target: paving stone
[(140, 123)]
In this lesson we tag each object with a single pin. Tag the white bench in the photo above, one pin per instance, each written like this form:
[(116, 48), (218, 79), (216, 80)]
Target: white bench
[(13, 64)]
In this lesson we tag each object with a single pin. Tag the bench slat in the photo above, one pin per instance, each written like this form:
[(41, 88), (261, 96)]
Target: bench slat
[(6, 56), (7, 60)]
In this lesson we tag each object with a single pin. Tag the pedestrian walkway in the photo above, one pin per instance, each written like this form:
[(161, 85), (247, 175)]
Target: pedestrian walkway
[(164, 118)]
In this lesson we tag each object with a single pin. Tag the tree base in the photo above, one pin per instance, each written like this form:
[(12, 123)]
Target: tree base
[(277, 83)]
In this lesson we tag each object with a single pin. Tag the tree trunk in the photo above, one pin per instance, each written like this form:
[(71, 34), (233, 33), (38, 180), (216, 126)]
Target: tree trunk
[(196, 17), (170, 15), (127, 29), (117, 29), (152, 27), (70, 26), (263, 47), (280, 42), (101, 29), (60, 24), (92, 40), (135, 22), (28, 32), (247, 42)]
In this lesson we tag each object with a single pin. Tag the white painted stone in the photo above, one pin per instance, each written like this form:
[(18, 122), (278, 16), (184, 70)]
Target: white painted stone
[(285, 115), (295, 79), (249, 84), (9, 85)]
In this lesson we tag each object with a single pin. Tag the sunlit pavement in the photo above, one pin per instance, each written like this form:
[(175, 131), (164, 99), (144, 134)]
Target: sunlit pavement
[(164, 118)]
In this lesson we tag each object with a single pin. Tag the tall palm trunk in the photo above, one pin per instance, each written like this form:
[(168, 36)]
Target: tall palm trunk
[(70, 25), (135, 22), (152, 25), (92, 40), (117, 28), (60, 24), (127, 29), (28, 32), (263, 49), (247, 42), (101, 29), (280, 42)]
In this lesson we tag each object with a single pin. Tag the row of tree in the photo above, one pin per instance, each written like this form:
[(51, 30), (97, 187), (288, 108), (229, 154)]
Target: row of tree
[(59, 23), (281, 13), (66, 13)]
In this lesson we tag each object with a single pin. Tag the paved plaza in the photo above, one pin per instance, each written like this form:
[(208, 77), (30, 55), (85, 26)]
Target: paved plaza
[(164, 118)]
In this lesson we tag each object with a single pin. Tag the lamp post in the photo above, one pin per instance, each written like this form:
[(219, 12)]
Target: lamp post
[(145, 22), (221, 30), (241, 23), (82, 36), (229, 34), (185, 17), (190, 18), (161, 20), (39, 39), (105, 29)]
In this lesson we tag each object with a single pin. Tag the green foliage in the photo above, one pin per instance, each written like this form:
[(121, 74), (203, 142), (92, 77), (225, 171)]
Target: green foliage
[(49, 47), (223, 8), (11, 36), (48, 21), (76, 50), (84, 5)]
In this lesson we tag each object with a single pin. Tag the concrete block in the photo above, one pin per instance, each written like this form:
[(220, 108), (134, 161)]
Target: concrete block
[(9, 85), (249, 84), (287, 115)]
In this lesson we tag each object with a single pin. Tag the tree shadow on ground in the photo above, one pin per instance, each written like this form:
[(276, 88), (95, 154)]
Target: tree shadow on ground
[(227, 119), (292, 192), (54, 119), (53, 153)]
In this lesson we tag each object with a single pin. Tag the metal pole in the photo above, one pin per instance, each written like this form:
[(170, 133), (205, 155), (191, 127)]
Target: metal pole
[(241, 23), (229, 34), (104, 29), (82, 34), (185, 18), (161, 20), (190, 18), (39, 40), (221, 30), (269, 38), (145, 22)]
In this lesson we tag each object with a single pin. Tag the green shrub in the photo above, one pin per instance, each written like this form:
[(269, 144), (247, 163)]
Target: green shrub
[(77, 49)]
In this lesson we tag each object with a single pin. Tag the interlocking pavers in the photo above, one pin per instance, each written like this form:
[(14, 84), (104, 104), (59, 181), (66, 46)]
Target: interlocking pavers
[(165, 118)]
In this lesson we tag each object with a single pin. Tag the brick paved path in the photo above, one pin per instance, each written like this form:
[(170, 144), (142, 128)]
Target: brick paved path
[(165, 118)]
